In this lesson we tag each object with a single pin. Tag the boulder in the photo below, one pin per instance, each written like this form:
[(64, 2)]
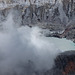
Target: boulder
[(64, 64)]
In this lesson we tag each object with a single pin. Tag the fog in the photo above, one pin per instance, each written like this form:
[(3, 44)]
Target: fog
[(24, 50)]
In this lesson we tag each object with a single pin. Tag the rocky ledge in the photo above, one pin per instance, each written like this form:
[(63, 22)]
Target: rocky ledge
[(64, 64)]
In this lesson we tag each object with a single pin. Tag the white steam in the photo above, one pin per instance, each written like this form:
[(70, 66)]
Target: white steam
[(20, 45), (24, 46)]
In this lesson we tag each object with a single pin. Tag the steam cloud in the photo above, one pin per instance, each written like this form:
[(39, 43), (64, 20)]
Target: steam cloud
[(24, 50)]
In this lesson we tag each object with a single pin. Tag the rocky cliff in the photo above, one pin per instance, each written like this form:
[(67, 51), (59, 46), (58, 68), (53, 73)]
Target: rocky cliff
[(55, 15)]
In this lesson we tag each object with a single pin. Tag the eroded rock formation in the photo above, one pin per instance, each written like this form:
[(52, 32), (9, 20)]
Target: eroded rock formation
[(55, 15)]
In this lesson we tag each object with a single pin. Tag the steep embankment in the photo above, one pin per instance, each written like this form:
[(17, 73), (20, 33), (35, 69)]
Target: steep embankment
[(55, 15)]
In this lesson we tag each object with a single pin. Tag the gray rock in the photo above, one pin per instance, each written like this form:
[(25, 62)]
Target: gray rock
[(55, 17)]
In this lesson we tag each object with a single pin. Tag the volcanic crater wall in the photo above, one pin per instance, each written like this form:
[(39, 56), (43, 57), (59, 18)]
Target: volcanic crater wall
[(54, 15)]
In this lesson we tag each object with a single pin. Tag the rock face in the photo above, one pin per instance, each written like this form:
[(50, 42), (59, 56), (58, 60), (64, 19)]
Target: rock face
[(58, 12), (54, 15), (64, 64)]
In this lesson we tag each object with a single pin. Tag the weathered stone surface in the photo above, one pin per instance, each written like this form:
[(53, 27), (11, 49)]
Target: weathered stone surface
[(55, 17), (64, 64)]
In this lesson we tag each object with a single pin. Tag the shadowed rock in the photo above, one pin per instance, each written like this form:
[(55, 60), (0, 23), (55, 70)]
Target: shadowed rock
[(64, 64)]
